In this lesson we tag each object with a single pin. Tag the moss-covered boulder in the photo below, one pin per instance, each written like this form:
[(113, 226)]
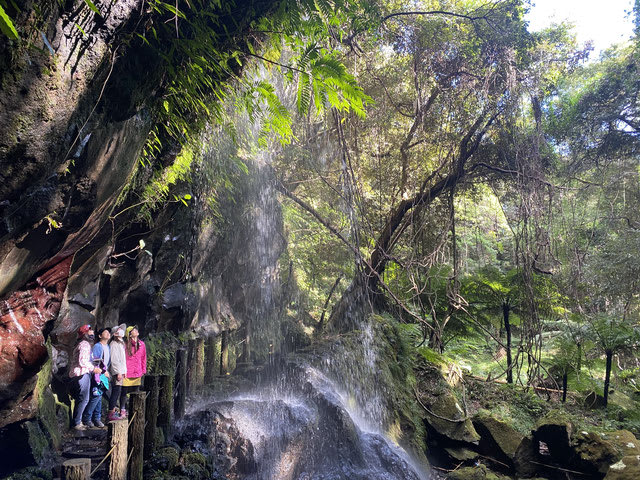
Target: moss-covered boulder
[(526, 459), (461, 454), (554, 430), (446, 417), (478, 472), (598, 451), (627, 468), (164, 459), (496, 437)]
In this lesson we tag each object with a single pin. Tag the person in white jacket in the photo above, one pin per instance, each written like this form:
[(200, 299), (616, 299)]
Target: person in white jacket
[(118, 370)]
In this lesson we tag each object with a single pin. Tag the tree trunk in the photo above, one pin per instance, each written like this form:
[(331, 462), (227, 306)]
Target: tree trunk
[(565, 379), (579, 367), (506, 309), (191, 368), (118, 442), (180, 383), (224, 353), (210, 360), (136, 434), (151, 410), (199, 364), (76, 469), (165, 405), (607, 376)]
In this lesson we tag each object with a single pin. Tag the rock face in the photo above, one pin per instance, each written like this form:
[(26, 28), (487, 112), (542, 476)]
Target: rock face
[(23, 316)]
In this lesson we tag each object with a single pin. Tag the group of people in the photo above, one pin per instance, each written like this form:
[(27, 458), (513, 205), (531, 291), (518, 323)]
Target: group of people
[(112, 366)]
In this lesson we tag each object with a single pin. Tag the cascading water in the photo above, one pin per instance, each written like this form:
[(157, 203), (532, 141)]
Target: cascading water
[(322, 414)]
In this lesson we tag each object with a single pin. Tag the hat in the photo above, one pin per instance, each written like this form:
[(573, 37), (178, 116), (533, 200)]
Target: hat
[(132, 327), (118, 330), (83, 330)]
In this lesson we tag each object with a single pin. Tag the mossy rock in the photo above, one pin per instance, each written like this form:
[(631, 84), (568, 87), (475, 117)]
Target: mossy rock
[(192, 471), (601, 450), (627, 468), (31, 473), (194, 458), (165, 459), (447, 418), (554, 430), (461, 454), (495, 433), (479, 472)]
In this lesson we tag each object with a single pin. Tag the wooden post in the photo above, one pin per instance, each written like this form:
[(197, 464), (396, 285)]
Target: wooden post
[(210, 361), (224, 353), (76, 469), (151, 410), (136, 434), (199, 364), (118, 442), (165, 404), (191, 368), (181, 383)]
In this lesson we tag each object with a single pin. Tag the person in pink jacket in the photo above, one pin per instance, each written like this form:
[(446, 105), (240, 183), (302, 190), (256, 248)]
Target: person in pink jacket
[(136, 355)]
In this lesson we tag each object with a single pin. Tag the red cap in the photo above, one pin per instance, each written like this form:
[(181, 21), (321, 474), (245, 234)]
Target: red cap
[(83, 330)]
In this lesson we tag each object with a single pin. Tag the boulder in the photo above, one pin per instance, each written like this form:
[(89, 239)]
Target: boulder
[(526, 458), (447, 418), (461, 454), (497, 438), (598, 451), (627, 468), (478, 472), (554, 430)]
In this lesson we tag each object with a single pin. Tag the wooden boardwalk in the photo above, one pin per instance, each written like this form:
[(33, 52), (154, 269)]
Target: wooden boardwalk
[(90, 443)]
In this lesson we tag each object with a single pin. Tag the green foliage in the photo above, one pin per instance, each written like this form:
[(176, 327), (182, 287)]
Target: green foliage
[(6, 25), (161, 353)]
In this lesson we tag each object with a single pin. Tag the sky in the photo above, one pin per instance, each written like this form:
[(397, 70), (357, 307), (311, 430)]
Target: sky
[(603, 21)]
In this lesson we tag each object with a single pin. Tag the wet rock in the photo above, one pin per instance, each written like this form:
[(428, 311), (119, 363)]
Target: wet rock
[(627, 468), (165, 459), (497, 438)]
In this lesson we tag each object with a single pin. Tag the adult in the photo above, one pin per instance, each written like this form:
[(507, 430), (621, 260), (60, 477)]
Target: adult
[(118, 371), (136, 353), (101, 357), (81, 369)]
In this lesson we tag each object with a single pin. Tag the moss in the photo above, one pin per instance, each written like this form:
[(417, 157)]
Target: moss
[(47, 413), (396, 371), (38, 440), (555, 417), (194, 458), (479, 472), (165, 459), (505, 437), (31, 473)]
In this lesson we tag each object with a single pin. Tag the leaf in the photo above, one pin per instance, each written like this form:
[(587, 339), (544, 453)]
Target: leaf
[(92, 6), (6, 25), (187, 196)]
